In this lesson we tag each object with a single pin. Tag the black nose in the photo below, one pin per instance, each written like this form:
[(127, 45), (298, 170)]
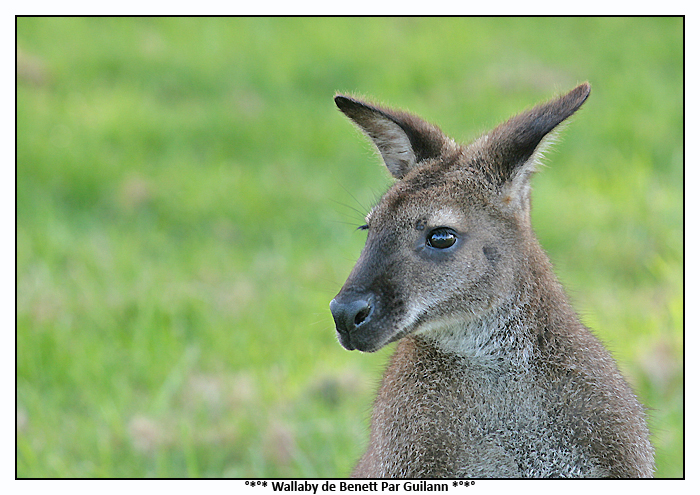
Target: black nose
[(351, 314)]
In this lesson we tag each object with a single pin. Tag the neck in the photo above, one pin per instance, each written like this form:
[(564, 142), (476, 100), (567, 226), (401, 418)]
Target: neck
[(500, 337)]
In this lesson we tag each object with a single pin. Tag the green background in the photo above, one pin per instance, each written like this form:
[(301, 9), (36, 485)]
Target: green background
[(187, 197)]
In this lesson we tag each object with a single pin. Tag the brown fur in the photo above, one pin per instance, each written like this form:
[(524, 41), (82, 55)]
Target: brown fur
[(493, 374)]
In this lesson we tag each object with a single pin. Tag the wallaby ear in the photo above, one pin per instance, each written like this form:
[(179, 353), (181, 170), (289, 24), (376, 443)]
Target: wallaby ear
[(512, 147), (403, 140), (512, 150)]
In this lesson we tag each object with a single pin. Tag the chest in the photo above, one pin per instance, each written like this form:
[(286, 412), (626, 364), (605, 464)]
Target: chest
[(476, 420)]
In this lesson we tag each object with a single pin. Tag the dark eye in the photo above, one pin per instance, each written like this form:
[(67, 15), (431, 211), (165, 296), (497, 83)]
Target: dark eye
[(442, 238)]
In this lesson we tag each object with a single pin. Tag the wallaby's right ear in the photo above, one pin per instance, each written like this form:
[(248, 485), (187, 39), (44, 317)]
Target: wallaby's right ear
[(403, 140)]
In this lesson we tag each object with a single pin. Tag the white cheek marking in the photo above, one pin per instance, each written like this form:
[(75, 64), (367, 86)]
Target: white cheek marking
[(416, 308)]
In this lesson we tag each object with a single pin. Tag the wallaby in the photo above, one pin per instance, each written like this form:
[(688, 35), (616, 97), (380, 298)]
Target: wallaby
[(493, 375)]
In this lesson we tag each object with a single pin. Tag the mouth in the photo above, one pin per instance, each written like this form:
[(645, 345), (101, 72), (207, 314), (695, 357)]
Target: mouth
[(345, 341), (352, 343), (367, 340)]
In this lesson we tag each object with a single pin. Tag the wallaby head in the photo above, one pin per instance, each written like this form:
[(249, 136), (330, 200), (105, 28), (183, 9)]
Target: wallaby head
[(447, 240)]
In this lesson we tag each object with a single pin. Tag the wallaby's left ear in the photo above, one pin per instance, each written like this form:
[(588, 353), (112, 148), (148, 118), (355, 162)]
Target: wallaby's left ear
[(403, 140), (512, 146), (512, 150)]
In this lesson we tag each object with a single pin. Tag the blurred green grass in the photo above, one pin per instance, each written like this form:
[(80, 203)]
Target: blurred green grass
[(186, 202)]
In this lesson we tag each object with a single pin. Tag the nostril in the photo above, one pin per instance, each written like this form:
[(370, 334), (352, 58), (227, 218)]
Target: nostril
[(350, 315), (361, 315)]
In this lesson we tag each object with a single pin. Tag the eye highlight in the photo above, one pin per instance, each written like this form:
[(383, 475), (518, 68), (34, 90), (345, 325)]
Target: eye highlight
[(441, 238)]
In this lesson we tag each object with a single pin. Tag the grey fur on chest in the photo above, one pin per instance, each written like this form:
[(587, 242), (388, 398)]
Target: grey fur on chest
[(450, 416)]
